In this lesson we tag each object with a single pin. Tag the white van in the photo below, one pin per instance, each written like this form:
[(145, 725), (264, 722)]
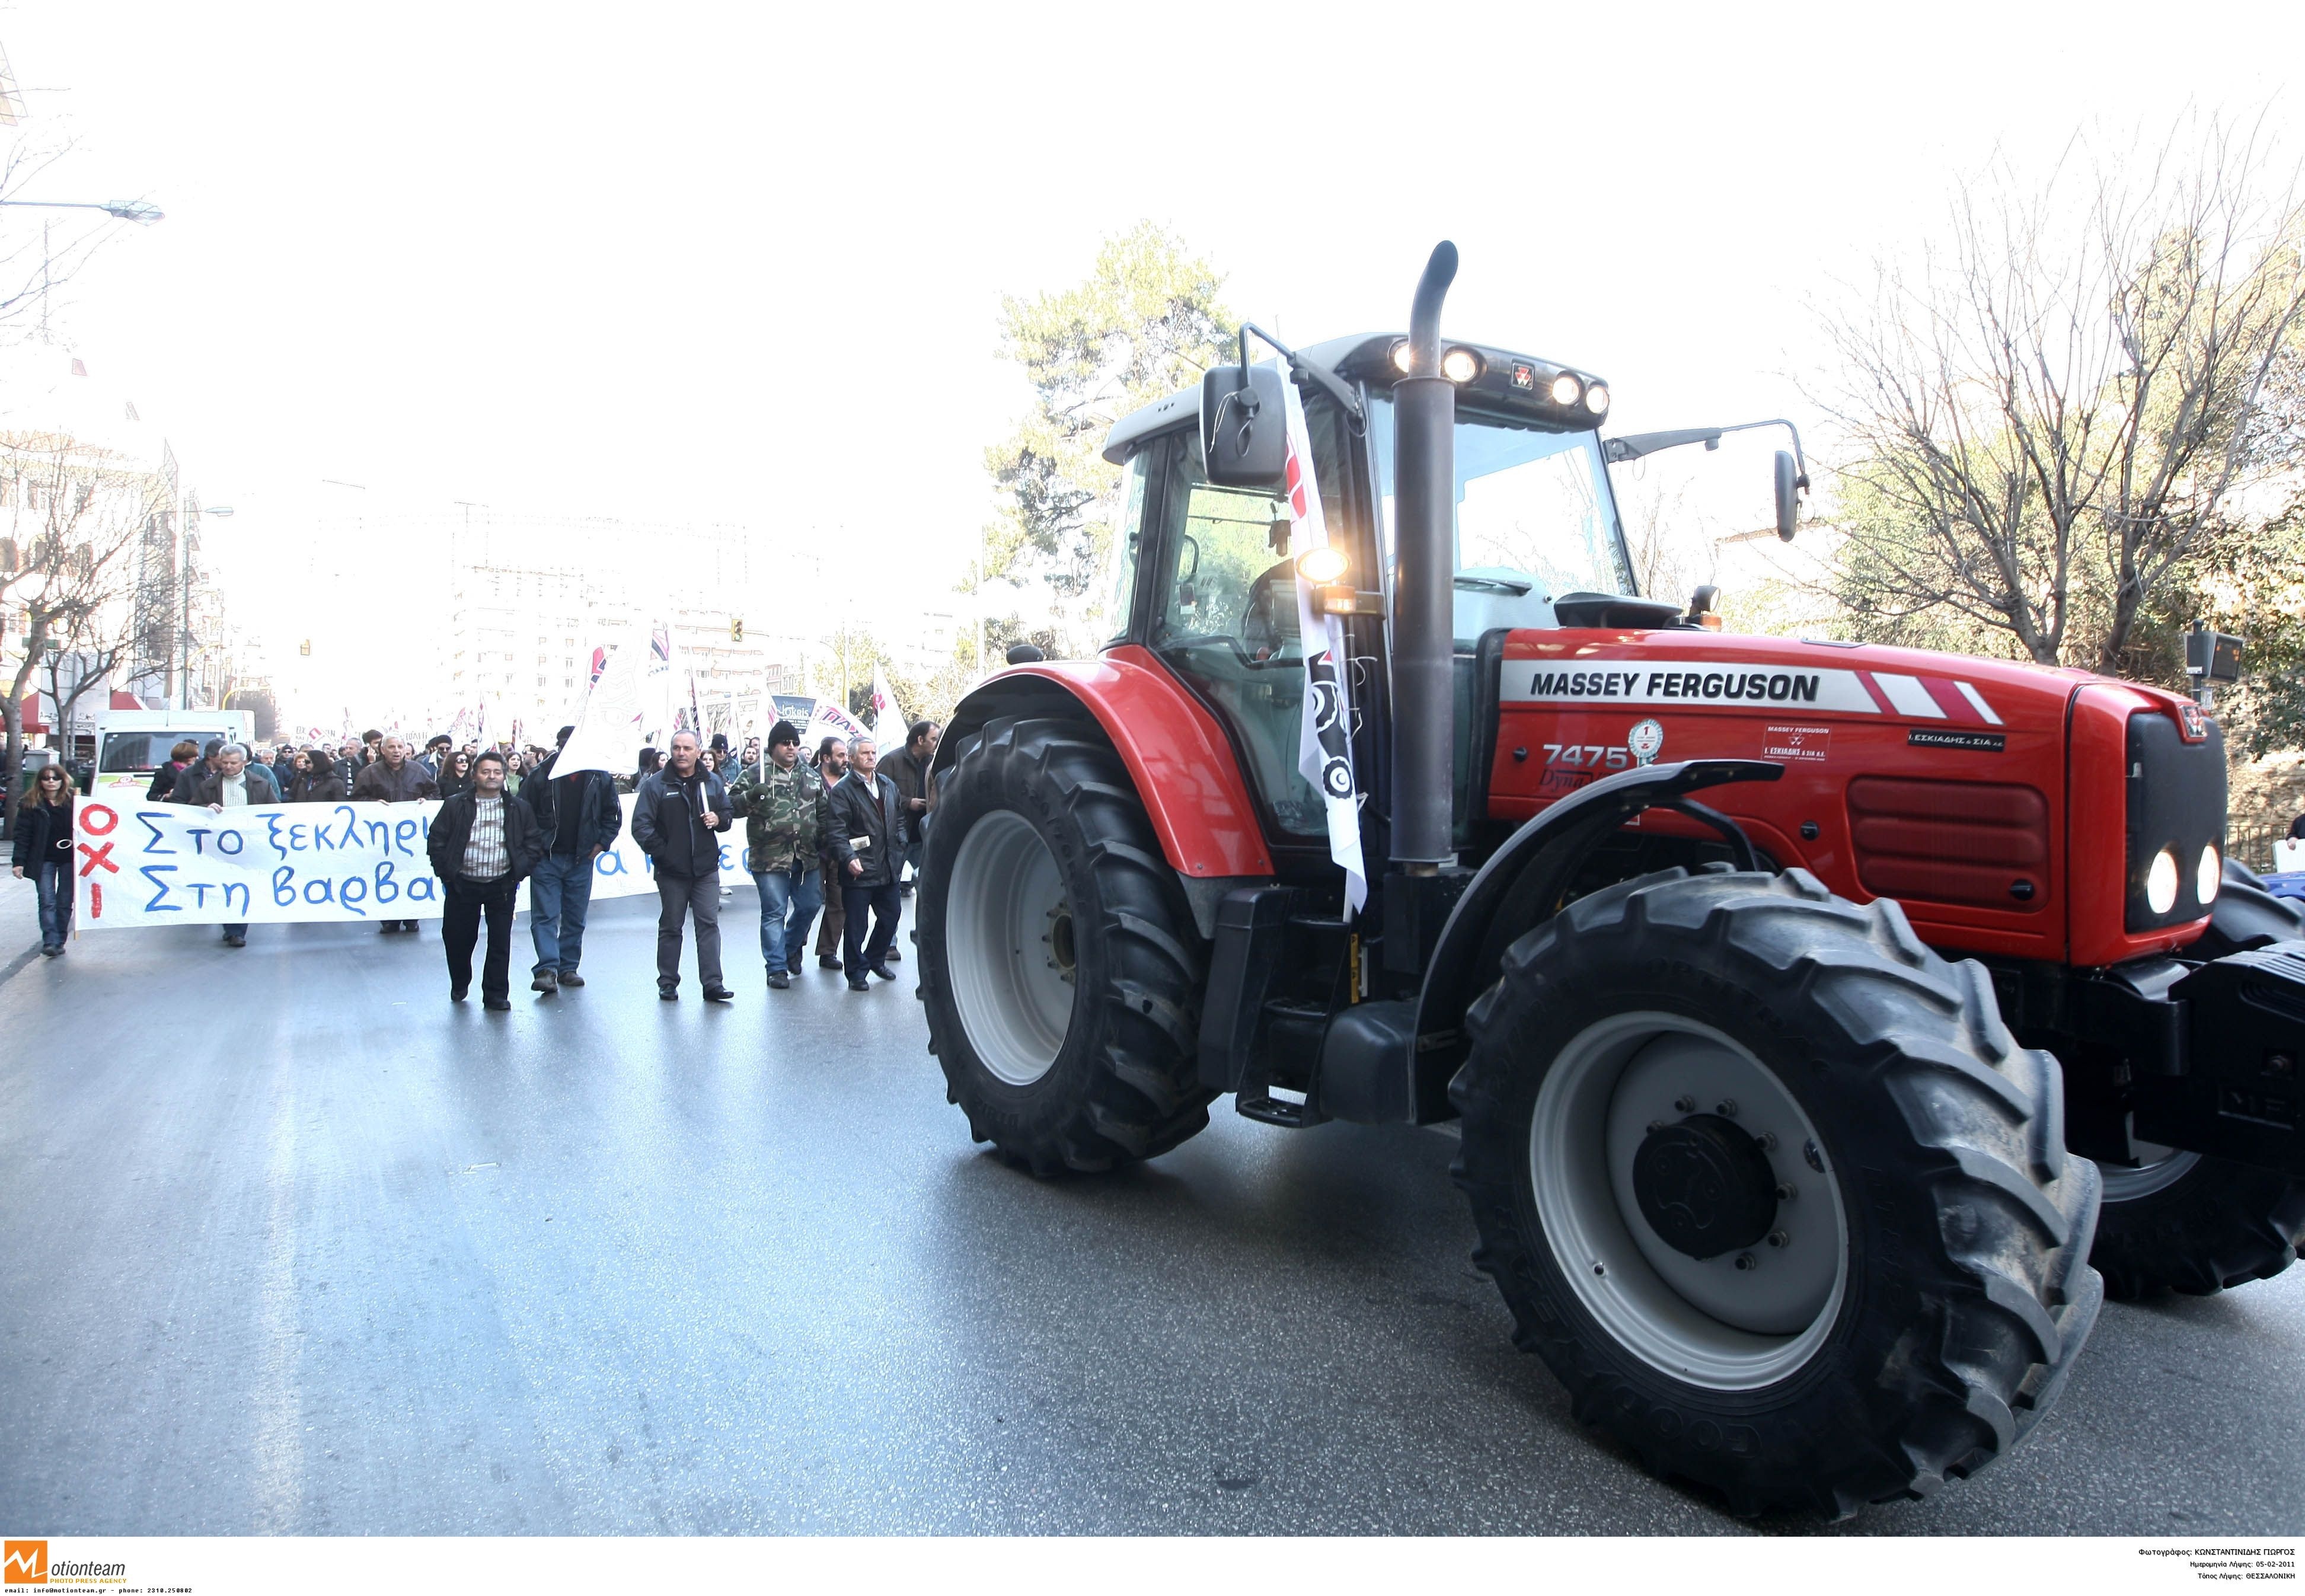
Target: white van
[(132, 743)]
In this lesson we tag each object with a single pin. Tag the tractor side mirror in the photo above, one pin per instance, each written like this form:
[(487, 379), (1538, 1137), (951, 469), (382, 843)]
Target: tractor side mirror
[(1025, 654), (1244, 429), (1789, 482)]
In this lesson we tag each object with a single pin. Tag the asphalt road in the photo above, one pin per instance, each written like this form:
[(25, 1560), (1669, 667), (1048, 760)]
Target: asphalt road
[(292, 1245)]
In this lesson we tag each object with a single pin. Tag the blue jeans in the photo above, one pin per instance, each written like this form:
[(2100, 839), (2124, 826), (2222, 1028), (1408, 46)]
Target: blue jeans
[(796, 893), (559, 891), (54, 882)]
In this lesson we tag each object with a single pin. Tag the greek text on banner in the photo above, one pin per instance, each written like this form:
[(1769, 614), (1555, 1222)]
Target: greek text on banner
[(143, 864)]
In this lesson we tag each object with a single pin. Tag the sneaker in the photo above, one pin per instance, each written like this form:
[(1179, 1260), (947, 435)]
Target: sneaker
[(884, 972), (860, 985), (777, 978), (547, 981), (496, 1003), (569, 978), (825, 960), (458, 994), (719, 994)]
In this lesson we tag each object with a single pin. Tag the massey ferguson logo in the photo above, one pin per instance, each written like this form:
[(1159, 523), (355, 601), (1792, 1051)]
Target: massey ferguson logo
[(1731, 683), (1725, 687)]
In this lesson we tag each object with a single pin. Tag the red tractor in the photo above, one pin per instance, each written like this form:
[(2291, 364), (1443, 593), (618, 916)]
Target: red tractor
[(1797, 1001)]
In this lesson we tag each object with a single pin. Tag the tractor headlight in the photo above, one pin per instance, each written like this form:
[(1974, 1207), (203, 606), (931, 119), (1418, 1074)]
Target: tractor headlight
[(1566, 389), (2209, 878), (1597, 399), (2161, 883), (1401, 359), (1322, 566), (1460, 366)]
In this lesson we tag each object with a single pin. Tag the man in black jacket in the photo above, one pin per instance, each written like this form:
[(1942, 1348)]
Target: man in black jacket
[(392, 778), (483, 841), (868, 840), (580, 818), (678, 813)]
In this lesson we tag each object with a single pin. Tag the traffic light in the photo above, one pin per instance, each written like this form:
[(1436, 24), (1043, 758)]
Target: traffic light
[(735, 629)]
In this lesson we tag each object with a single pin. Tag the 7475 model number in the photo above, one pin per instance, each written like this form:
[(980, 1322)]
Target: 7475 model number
[(1587, 756)]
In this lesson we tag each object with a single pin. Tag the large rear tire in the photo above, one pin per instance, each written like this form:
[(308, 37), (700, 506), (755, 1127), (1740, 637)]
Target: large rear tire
[(1771, 1188), (1060, 964), (2194, 1225)]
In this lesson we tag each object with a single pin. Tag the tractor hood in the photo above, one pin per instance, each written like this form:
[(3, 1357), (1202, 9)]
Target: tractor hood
[(2007, 806)]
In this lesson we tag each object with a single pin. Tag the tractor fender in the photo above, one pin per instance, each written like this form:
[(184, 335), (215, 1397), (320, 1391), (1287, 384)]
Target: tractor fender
[(1466, 960), (1184, 769)]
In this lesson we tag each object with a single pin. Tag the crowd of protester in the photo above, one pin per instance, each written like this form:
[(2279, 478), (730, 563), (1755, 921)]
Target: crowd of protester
[(830, 833)]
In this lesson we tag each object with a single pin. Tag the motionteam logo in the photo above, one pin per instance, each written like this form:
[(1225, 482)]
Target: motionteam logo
[(26, 1563)]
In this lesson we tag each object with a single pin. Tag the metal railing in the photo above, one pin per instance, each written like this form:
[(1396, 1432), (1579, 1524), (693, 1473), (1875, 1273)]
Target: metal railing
[(2251, 847)]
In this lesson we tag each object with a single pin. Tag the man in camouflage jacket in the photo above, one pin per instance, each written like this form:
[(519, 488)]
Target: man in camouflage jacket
[(781, 802)]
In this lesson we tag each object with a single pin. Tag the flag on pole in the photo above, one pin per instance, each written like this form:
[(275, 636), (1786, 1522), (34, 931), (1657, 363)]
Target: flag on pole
[(886, 714), (1324, 748), (611, 721)]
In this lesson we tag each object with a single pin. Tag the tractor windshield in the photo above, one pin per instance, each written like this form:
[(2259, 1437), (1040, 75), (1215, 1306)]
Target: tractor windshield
[(1535, 515)]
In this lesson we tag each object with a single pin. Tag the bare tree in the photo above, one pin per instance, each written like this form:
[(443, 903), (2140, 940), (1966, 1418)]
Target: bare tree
[(2058, 409), (40, 251), (73, 516)]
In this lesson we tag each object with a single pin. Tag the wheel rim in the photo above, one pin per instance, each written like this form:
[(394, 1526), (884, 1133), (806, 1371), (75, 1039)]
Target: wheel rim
[(1010, 948), (2158, 1168), (1731, 1322)]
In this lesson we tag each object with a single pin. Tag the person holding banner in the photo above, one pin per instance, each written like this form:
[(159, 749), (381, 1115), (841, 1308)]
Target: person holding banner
[(580, 819), (392, 778), (483, 842), (234, 783), (44, 847), (677, 816)]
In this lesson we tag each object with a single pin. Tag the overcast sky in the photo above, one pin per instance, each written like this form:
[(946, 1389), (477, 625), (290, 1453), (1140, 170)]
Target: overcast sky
[(744, 262)]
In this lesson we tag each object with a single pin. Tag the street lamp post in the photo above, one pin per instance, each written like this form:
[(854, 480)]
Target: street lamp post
[(125, 210)]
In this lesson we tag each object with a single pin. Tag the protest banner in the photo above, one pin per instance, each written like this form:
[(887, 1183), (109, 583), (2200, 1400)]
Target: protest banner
[(155, 865), (829, 720)]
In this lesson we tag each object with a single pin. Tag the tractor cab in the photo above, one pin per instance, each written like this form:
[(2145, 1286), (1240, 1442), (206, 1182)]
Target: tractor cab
[(1201, 574)]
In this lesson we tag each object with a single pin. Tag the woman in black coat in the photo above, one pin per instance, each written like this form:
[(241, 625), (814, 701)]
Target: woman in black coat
[(44, 851), (317, 780), (455, 774)]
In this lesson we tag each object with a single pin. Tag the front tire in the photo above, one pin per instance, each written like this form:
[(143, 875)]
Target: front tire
[(1060, 964), (2187, 1223), (1862, 1269)]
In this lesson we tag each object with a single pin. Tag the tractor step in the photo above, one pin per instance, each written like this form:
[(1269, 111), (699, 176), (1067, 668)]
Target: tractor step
[(1272, 1110)]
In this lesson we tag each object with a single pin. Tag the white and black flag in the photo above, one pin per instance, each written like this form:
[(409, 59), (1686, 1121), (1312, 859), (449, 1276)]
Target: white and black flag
[(1324, 748)]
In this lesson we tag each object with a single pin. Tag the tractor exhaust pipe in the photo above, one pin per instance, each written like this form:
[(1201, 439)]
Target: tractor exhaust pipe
[(1424, 475)]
